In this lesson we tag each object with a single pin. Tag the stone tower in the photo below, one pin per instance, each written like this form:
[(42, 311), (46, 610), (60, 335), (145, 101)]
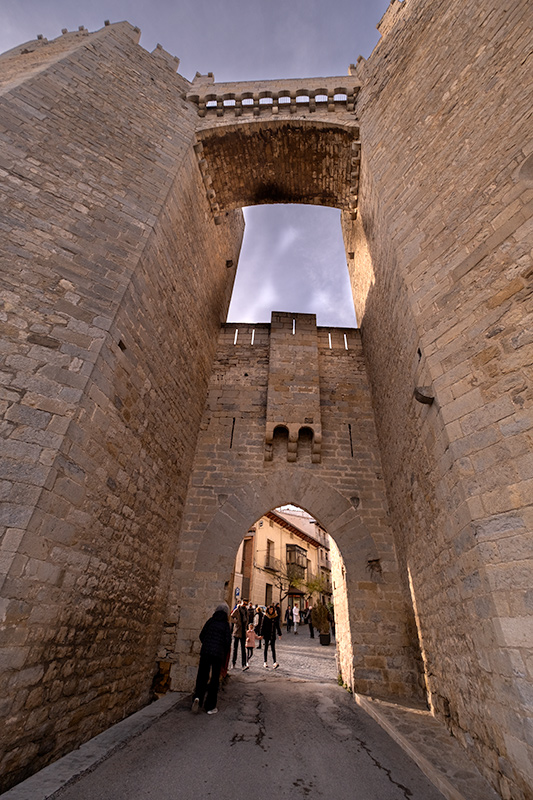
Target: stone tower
[(121, 226)]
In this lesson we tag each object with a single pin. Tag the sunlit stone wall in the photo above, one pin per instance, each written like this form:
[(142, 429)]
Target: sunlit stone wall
[(442, 266)]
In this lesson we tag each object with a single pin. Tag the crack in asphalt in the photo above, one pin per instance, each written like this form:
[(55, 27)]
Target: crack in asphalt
[(407, 793), (329, 714), (251, 721)]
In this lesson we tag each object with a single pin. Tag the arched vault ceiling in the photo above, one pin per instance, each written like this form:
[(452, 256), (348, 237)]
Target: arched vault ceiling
[(288, 160)]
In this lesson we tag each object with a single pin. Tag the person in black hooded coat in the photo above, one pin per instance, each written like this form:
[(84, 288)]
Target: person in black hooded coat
[(269, 627), (216, 642)]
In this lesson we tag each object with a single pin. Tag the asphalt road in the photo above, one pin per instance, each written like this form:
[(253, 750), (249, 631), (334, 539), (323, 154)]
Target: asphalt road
[(290, 733)]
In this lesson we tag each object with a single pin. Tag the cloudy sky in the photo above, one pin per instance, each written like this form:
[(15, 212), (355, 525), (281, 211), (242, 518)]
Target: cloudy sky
[(292, 256)]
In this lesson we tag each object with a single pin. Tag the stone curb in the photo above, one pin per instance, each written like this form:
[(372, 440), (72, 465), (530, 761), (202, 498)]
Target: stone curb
[(427, 742), (44, 784)]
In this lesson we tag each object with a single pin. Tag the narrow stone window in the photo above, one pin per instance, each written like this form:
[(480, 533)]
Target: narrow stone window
[(329, 340), (345, 342), (350, 435), (121, 345), (293, 327), (253, 335), (280, 441), (305, 444), (232, 432), (236, 336), (270, 558), (374, 567)]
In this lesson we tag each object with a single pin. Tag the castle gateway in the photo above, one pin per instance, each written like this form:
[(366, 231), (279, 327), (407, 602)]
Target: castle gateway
[(142, 435)]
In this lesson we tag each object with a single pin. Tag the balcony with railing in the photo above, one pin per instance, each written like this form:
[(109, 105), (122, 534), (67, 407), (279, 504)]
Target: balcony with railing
[(296, 556)]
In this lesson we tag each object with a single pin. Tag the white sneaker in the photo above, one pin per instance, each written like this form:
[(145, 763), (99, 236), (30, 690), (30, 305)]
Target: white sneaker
[(265, 665), (213, 711), (245, 668), (195, 705), (275, 666)]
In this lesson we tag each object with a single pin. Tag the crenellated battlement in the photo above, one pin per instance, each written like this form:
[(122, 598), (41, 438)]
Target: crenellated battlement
[(257, 98), (320, 145), (67, 39), (31, 57)]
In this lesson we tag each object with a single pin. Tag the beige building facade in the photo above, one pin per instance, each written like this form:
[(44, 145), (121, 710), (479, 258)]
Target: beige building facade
[(284, 559)]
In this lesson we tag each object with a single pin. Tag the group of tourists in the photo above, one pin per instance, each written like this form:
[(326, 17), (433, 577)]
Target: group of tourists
[(250, 625), (293, 617)]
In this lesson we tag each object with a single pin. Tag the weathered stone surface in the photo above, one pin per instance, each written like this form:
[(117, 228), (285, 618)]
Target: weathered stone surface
[(120, 236), (442, 293), (91, 379)]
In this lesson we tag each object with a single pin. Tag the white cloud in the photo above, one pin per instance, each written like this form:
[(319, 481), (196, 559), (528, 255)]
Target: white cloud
[(293, 259)]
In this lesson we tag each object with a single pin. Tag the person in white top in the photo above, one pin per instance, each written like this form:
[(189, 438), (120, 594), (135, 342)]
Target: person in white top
[(296, 617)]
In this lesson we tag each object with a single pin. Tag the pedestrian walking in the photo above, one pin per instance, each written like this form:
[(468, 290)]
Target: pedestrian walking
[(310, 622), (288, 618), (251, 638), (296, 617), (269, 628), (215, 637), (239, 618), (251, 613), (258, 618)]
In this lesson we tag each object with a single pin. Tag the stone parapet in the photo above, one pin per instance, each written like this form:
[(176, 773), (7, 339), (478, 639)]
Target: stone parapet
[(258, 98)]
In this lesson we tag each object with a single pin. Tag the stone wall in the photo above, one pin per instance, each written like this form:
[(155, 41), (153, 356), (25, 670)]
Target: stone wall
[(99, 338), (117, 262), (443, 256), (233, 484)]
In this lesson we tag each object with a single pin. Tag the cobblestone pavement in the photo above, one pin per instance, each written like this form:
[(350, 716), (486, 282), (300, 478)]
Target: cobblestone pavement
[(299, 656)]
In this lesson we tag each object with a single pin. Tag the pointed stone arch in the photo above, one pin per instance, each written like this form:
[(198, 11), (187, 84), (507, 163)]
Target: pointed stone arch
[(251, 500), (374, 643)]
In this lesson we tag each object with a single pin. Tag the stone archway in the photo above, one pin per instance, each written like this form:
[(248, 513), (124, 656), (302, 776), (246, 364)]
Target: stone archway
[(353, 551), (250, 501), (112, 305), (287, 160), (234, 482)]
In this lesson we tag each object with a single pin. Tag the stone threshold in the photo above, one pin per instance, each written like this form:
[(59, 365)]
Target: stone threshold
[(432, 747)]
